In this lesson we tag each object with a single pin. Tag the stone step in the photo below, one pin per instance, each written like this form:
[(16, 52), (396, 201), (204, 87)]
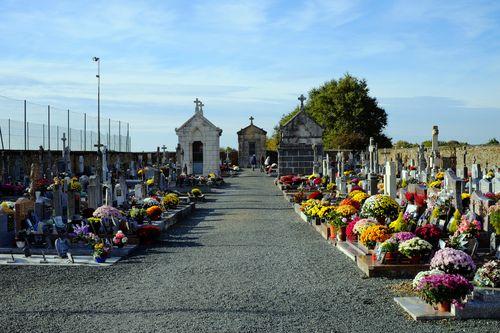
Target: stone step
[(346, 249), (475, 309)]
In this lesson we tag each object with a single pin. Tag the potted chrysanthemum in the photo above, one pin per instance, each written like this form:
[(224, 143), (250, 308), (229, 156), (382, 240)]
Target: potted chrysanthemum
[(414, 249), (441, 290), (453, 261)]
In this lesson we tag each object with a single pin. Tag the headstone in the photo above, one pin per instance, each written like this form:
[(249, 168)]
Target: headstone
[(479, 205), (81, 164), (7, 231), (404, 174), (139, 195), (57, 203), (485, 186), (22, 209), (390, 185), (476, 176), (94, 192), (71, 210), (84, 181), (454, 185), (119, 194), (422, 163)]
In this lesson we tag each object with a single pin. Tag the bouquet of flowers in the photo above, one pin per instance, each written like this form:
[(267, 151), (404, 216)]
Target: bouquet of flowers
[(349, 230), (374, 234), (399, 224), (360, 197), (42, 184), (150, 202), (148, 233), (75, 185), (299, 197), (429, 232), (353, 193), (380, 206), (346, 210), (362, 224), (81, 232), (316, 195), (120, 239), (488, 275), (138, 214), (403, 236), (101, 250), (469, 228), (170, 200), (442, 288), (196, 192), (331, 187), (350, 202), (106, 211), (453, 261), (389, 246), (422, 274), (154, 213), (415, 247), (495, 217)]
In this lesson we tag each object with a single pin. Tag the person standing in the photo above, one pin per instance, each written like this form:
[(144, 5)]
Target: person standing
[(253, 161)]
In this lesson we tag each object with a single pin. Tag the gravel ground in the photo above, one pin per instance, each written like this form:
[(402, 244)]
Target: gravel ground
[(243, 263)]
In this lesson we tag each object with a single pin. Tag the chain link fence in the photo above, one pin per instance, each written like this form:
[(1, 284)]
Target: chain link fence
[(27, 126)]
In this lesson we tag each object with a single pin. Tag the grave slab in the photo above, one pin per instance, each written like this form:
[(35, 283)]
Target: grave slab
[(420, 311)]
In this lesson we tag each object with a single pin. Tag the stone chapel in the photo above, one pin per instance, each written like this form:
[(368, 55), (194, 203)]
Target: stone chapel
[(198, 150), (251, 140), (300, 150)]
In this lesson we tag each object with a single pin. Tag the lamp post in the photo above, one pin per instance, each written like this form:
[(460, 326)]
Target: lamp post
[(98, 145)]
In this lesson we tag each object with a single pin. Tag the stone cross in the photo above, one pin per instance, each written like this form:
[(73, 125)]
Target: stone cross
[(301, 99), (251, 120), (201, 107), (197, 102), (371, 149), (422, 163), (164, 157), (390, 187)]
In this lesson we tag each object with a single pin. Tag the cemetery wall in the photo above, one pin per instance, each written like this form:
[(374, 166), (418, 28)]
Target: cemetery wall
[(17, 162), (485, 155)]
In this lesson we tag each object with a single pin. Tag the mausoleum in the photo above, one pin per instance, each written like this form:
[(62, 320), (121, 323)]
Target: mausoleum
[(199, 144), (251, 140)]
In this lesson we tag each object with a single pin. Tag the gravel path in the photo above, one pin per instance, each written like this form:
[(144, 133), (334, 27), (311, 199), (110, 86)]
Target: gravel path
[(243, 263)]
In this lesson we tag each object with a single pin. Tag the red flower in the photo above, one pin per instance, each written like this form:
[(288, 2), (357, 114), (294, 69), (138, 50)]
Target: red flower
[(409, 196), (316, 195), (429, 232)]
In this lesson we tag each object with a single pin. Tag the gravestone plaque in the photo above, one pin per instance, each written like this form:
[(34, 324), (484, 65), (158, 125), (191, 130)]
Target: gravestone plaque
[(94, 192), (485, 186)]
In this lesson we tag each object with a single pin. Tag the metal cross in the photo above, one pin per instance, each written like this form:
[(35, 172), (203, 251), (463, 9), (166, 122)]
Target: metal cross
[(164, 148), (63, 139), (301, 99), (251, 120)]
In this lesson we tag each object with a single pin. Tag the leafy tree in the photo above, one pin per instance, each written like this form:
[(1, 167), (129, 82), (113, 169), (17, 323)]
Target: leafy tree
[(272, 144), (404, 144), (492, 142), (347, 113)]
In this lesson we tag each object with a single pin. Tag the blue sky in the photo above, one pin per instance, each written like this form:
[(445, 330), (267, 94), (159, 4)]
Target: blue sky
[(427, 62)]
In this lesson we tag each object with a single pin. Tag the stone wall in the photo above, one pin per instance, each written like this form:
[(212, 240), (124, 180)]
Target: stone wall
[(485, 155), (296, 160)]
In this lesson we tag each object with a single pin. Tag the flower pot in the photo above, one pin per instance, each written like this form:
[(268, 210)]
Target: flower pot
[(390, 257), (332, 231), (100, 260), (416, 259), (444, 307), (341, 234), (374, 257)]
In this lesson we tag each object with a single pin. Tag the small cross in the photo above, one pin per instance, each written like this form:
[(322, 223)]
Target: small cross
[(251, 120), (197, 102), (63, 139), (301, 99), (201, 106), (164, 148)]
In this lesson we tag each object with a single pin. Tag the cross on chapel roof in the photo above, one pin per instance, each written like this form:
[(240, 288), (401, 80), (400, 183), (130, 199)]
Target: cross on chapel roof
[(301, 99)]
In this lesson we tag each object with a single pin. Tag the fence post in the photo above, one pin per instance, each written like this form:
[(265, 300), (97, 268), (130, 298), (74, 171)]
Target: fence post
[(28, 134), (57, 139), (119, 135), (43, 135), (8, 128), (25, 128), (85, 132), (109, 133), (128, 137), (69, 134), (48, 126)]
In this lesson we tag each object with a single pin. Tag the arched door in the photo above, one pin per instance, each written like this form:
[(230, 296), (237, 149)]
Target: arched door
[(198, 158)]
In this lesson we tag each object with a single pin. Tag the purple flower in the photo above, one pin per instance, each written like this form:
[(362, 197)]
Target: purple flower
[(403, 236), (453, 261)]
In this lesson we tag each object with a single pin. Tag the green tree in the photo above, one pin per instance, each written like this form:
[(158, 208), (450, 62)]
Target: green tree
[(492, 142), (404, 144), (349, 115)]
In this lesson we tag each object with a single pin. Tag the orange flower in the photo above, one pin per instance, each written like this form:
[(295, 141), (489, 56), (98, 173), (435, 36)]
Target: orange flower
[(374, 234), (350, 202), (154, 212)]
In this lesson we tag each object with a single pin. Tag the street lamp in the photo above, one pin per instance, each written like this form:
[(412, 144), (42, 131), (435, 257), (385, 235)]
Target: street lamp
[(98, 145)]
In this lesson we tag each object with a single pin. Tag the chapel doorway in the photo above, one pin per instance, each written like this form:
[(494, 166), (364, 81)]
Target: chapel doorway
[(198, 158)]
